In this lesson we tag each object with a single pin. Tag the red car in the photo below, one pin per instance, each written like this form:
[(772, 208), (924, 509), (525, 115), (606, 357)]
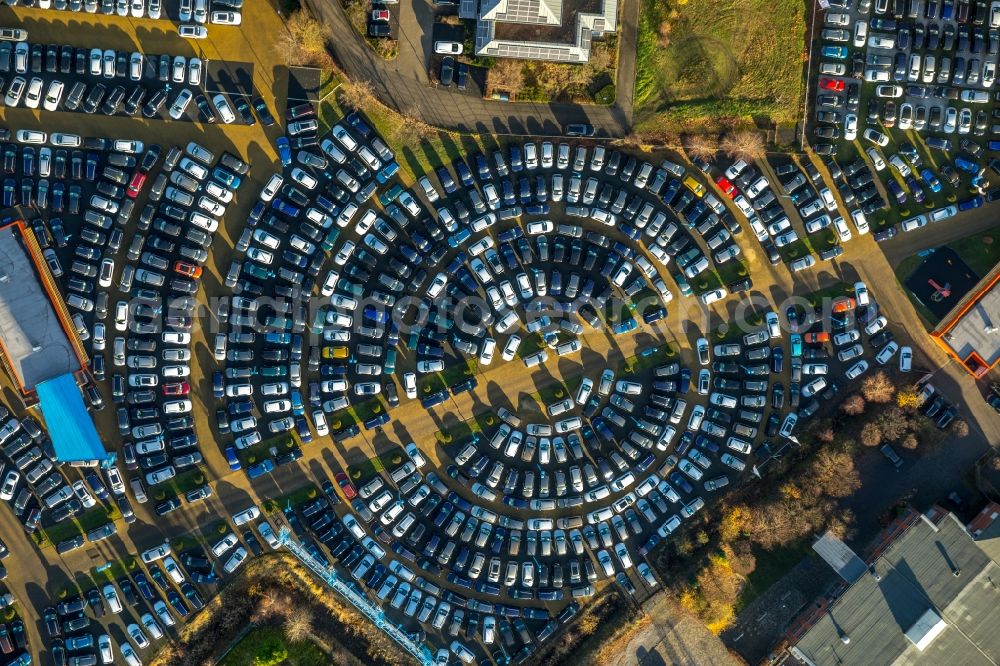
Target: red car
[(138, 180), (380, 15), (831, 84), (346, 486), (178, 388), (187, 269), (727, 188)]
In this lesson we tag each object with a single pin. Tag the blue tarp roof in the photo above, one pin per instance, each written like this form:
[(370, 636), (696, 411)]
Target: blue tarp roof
[(73, 434)]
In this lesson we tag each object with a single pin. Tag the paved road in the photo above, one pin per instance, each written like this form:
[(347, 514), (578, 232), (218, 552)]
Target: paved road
[(403, 82), (40, 573), (907, 244)]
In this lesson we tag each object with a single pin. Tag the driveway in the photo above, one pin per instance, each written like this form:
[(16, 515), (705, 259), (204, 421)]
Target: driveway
[(402, 83)]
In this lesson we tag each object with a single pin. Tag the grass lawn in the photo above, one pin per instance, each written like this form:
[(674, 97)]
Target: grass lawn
[(428, 384), (460, 372), (980, 251), (732, 271), (839, 289), (648, 358), (462, 431), (771, 566), (88, 520), (258, 452), (368, 409), (268, 646), (295, 498), (700, 61)]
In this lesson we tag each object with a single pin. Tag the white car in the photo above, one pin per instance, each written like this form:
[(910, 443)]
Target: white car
[(9, 485), (850, 127), (53, 96), (486, 353), (886, 353), (861, 293), (876, 325), (905, 359), (714, 295), (180, 103), (271, 187), (31, 136), (540, 227), (448, 48), (221, 105), (410, 384), (857, 369), (227, 18)]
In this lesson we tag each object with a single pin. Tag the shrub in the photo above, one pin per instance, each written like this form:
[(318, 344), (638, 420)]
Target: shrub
[(356, 474), (312, 494), (878, 388), (222, 527), (606, 95), (960, 428), (397, 459), (871, 434)]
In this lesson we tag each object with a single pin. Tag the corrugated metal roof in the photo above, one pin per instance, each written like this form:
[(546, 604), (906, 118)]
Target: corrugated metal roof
[(73, 434), (928, 567)]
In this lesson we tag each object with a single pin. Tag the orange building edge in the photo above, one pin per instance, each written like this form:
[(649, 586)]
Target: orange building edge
[(45, 278), (938, 334)]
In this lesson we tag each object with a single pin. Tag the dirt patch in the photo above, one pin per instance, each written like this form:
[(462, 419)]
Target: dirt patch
[(671, 637)]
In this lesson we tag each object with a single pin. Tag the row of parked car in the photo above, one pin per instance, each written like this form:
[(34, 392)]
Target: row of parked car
[(125, 83), (918, 71), (130, 614)]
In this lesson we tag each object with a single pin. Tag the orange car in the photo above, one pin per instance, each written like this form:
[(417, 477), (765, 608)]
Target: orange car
[(187, 269), (844, 304), (816, 338)]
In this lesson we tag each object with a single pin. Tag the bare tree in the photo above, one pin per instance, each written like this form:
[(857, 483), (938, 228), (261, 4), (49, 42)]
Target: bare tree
[(910, 442), (960, 428), (507, 75), (412, 129), (304, 41), (871, 435), (357, 94), (878, 388), (853, 405), (299, 624), (744, 145), (701, 146)]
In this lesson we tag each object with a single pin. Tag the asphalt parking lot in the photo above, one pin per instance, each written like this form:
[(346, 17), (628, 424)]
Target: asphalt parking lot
[(550, 247), (926, 69)]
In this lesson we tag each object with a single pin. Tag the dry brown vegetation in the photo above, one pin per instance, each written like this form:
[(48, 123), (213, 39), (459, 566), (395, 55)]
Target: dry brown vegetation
[(701, 146), (276, 589), (806, 500), (744, 145), (304, 43), (542, 81), (597, 624), (762, 517), (506, 75)]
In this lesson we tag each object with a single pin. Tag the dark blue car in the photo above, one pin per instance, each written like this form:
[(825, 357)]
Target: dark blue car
[(435, 399), (284, 150), (265, 466)]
